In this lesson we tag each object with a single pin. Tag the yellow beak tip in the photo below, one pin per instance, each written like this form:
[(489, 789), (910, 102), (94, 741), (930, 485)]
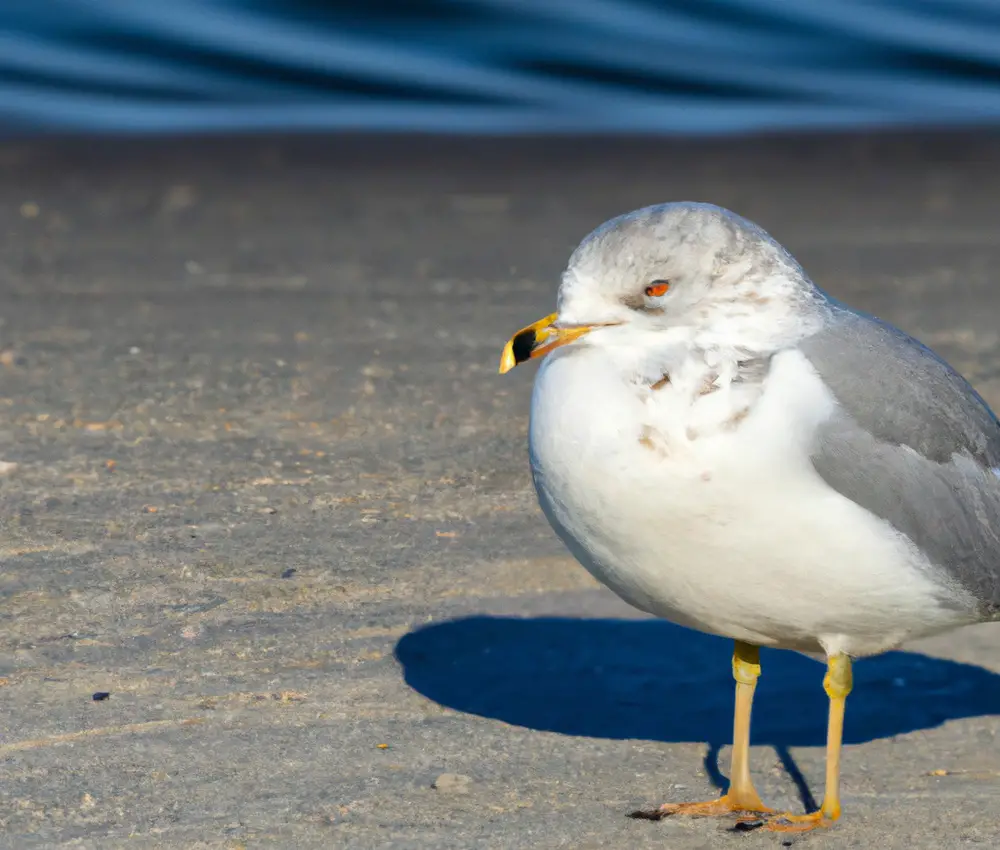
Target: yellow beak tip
[(529, 343), (507, 361)]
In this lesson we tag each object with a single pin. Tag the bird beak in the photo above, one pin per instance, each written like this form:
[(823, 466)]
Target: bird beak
[(538, 340)]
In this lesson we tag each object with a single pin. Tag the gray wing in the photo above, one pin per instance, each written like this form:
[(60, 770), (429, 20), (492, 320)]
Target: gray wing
[(914, 444)]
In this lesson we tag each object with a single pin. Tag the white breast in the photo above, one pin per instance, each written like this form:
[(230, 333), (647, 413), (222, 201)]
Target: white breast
[(719, 521)]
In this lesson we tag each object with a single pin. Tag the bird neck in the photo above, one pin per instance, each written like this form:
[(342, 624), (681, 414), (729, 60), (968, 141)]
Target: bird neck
[(756, 318)]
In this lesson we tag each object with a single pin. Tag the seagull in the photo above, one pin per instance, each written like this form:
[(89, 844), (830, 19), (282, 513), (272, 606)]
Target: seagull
[(725, 445)]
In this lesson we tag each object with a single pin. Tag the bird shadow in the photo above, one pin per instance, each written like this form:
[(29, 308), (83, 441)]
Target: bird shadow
[(652, 680)]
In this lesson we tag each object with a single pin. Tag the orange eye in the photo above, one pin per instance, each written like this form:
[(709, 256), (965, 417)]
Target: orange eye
[(657, 288)]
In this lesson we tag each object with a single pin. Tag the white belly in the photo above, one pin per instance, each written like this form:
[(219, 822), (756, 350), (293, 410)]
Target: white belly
[(732, 533)]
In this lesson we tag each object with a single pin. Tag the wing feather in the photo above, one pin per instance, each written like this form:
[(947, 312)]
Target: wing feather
[(913, 443)]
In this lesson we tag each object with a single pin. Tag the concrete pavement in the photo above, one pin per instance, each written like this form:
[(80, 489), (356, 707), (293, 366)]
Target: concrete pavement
[(262, 485)]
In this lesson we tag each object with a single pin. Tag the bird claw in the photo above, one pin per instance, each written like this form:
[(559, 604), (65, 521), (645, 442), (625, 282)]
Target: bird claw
[(720, 806), (783, 822)]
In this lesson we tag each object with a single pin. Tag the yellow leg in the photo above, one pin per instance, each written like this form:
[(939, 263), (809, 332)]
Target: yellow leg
[(837, 683), (741, 796)]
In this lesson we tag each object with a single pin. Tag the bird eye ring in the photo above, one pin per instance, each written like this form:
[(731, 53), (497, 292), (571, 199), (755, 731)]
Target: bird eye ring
[(657, 288)]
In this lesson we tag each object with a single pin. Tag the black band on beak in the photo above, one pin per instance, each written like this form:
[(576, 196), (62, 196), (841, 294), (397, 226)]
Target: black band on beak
[(523, 344)]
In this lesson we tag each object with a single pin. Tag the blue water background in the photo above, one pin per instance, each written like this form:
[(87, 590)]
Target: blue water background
[(496, 66)]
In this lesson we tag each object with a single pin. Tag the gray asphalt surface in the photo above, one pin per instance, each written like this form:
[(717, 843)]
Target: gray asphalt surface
[(262, 485)]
